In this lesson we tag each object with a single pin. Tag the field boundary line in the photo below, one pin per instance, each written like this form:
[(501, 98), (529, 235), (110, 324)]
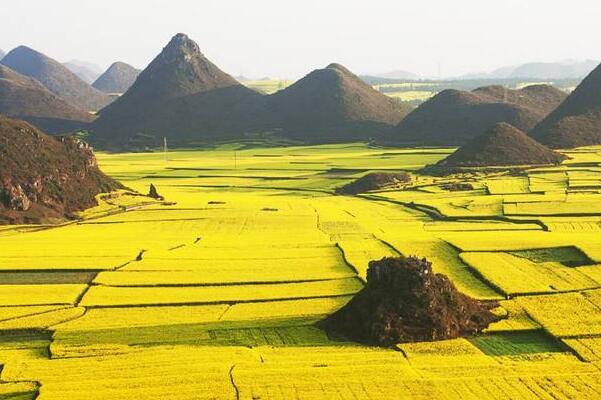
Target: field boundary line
[(219, 302), (236, 389)]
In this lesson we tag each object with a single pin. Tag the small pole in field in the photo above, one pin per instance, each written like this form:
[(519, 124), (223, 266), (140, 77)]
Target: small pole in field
[(165, 147), (235, 160)]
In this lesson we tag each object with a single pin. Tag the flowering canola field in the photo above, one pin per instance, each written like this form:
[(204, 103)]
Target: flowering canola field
[(214, 293)]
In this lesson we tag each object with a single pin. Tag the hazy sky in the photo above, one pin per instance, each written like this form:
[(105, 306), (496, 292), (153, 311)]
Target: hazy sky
[(282, 38)]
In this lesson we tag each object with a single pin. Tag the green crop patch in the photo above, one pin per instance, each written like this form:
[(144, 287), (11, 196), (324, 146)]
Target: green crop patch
[(517, 343), (277, 336), (570, 256), (46, 277)]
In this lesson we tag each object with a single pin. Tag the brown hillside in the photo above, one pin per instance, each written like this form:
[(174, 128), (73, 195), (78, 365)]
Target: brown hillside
[(405, 301), (577, 121), (333, 104), (44, 177), (502, 145), (181, 95), (55, 77), (453, 117), (25, 98)]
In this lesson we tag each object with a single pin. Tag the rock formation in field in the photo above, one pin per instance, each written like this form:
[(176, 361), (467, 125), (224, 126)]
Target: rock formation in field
[(577, 121), (25, 98), (405, 301), (56, 77), (375, 181), (87, 72), (117, 79), (180, 95), (333, 104), (154, 193), (453, 117), (502, 145), (43, 177)]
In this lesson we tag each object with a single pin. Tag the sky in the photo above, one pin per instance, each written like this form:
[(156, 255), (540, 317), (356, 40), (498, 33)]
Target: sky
[(288, 38)]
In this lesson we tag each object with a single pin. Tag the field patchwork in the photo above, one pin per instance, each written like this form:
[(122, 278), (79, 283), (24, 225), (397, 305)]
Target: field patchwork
[(216, 292)]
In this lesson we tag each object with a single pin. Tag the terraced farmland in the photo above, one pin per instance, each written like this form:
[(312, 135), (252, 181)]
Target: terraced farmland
[(214, 293)]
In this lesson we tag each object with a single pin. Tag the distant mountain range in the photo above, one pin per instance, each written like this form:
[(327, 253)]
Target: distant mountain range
[(25, 98), (2, 54), (56, 77), (539, 70), (88, 72), (568, 69)]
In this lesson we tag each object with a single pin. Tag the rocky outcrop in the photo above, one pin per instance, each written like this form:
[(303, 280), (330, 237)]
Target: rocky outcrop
[(405, 301), (44, 178)]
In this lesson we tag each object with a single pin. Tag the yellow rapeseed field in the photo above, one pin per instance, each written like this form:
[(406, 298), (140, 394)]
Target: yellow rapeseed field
[(215, 293)]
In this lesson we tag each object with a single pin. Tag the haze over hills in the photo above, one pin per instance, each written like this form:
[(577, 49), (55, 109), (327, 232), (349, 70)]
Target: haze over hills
[(453, 117), (2, 54), (25, 98), (86, 71), (502, 145), (539, 70), (118, 78), (52, 178), (577, 121), (333, 104), (397, 74), (181, 95), (56, 77)]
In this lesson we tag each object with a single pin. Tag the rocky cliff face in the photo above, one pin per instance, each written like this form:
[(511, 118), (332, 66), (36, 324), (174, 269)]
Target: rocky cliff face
[(43, 177)]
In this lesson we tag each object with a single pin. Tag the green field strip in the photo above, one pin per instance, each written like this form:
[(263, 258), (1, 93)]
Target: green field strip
[(41, 277), (517, 343)]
